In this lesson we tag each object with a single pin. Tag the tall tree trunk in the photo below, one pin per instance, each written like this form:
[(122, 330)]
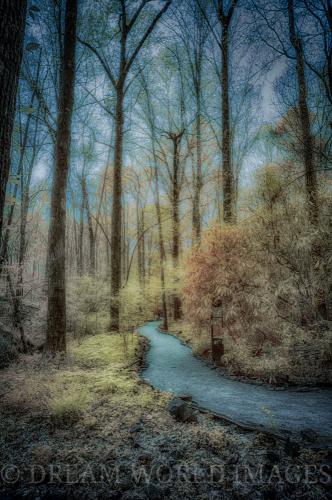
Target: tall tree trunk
[(108, 258), (12, 27), (92, 240), (80, 240), (56, 312), (198, 173), (142, 243), (227, 170), (124, 245), (176, 140), (139, 247), (125, 27), (162, 254), (307, 139), (116, 212)]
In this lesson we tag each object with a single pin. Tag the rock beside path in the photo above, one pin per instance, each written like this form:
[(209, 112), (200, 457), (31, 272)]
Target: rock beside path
[(182, 411)]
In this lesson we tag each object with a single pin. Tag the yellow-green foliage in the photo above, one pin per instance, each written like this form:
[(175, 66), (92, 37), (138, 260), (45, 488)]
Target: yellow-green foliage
[(66, 408), (99, 368), (105, 351), (140, 302), (88, 305)]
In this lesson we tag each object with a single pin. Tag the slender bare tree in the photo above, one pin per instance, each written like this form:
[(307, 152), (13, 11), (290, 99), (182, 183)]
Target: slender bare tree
[(225, 14)]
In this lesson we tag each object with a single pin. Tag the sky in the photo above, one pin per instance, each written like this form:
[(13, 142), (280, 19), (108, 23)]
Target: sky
[(268, 111)]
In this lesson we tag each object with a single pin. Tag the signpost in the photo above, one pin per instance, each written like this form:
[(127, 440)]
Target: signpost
[(217, 346)]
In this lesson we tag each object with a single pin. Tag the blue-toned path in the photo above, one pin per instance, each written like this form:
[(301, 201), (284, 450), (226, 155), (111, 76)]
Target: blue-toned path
[(171, 367)]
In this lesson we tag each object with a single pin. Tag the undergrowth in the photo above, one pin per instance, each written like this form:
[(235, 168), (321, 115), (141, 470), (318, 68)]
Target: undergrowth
[(99, 368)]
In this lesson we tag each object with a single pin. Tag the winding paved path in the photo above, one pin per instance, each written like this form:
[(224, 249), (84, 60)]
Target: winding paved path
[(171, 367)]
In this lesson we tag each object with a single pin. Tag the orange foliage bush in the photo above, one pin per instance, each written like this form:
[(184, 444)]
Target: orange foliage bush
[(273, 277), (225, 268)]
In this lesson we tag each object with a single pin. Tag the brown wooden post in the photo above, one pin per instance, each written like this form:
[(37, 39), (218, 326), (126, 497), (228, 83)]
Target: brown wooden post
[(217, 347)]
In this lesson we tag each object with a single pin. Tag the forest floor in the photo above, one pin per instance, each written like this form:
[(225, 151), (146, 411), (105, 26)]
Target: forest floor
[(87, 427)]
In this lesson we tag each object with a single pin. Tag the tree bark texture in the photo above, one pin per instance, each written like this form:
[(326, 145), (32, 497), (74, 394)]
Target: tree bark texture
[(56, 312), (117, 212), (227, 170), (176, 140), (12, 27)]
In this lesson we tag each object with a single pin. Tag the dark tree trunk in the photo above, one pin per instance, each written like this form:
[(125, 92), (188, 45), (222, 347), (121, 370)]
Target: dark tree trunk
[(17, 316), (56, 312), (80, 240), (138, 231), (92, 240), (162, 254), (116, 212), (227, 169), (124, 250), (307, 139), (108, 258), (176, 140), (198, 173), (12, 27), (225, 17), (140, 244), (142, 252)]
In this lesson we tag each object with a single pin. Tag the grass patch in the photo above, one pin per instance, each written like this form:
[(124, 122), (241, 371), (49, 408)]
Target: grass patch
[(105, 350), (98, 376), (98, 370), (67, 408)]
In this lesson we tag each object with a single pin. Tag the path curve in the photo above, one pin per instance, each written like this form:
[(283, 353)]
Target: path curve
[(171, 367)]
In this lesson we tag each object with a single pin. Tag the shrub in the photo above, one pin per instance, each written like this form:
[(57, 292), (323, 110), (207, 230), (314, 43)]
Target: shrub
[(273, 277)]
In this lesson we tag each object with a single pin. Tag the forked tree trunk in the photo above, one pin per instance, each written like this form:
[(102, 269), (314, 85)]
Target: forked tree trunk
[(12, 27), (56, 312), (125, 27)]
